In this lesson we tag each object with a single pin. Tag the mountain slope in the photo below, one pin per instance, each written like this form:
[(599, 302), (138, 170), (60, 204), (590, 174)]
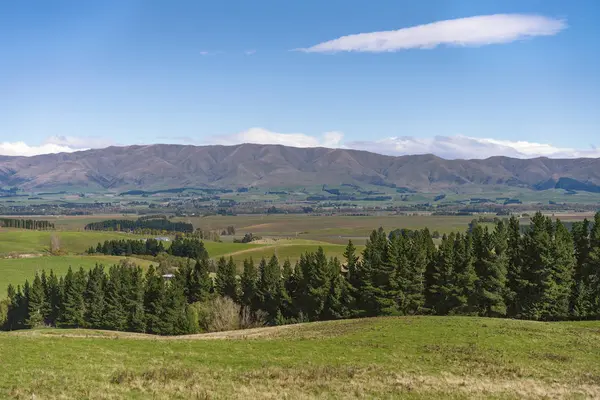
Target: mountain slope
[(171, 166)]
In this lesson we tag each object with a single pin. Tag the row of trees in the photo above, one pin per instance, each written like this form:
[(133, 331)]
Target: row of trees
[(547, 273), (26, 224), (149, 247), (181, 246), (141, 225)]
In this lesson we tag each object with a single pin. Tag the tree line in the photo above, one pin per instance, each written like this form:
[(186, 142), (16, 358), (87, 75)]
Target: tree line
[(546, 273), (141, 225), (128, 247), (26, 224), (181, 246)]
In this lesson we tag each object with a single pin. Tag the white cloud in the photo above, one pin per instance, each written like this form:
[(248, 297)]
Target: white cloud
[(249, 52), (473, 31), (23, 149), (54, 144), (80, 142), (264, 136), (451, 147)]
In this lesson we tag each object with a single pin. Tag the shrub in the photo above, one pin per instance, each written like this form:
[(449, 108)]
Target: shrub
[(218, 314)]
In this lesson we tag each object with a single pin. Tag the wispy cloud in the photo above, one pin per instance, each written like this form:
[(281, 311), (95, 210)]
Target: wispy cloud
[(249, 52), (473, 31), (23, 149), (450, 147), (264, 136)]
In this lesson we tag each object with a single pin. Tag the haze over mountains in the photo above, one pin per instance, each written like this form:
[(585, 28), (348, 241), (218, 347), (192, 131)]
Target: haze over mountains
[(163, 166)]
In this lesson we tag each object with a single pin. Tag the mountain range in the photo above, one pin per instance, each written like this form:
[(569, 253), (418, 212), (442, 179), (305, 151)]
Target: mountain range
[(163, 166)]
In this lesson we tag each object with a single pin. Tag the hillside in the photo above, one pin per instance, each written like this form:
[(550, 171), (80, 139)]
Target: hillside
[(175, 166), (402, 357)]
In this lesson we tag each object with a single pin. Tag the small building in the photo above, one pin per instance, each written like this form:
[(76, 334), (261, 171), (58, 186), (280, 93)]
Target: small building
[(168, 276), (163, 239)]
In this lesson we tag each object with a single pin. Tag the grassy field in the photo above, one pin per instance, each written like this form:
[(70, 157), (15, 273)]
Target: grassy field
[(290, 249), (332, 229), (38, 242), (407, 357), (16, 270)]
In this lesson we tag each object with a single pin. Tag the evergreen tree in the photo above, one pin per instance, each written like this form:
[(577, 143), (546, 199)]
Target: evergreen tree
[(558, 288), (593, 270), (154, 301), (94, 297), (514, 280), (490, 266), (136, 316), (174, 319), (54, 297), (226, 279), (35, 303), (412, 262), (73, 306), (115, 317), (249, 286), (269, 288), (200, 281), (581, 296), (439, 278), (463, 298)]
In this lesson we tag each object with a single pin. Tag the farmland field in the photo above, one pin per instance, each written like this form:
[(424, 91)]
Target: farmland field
[(38, 242), (405, 357)]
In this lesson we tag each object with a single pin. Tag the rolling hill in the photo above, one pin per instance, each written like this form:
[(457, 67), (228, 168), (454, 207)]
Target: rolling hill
[(173, 166)]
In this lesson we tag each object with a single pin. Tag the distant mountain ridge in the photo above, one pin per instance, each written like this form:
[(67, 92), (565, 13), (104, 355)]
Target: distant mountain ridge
[(162, 166)]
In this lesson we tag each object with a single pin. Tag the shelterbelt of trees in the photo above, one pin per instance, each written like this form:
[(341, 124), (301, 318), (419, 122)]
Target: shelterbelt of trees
[(546, 273), (188, 247), (26, 224), (141, 225)]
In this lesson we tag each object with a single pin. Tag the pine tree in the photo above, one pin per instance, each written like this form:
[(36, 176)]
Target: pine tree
[(73, 307), (35, 303), (514, 281), (94, 297), (557, 293), (269, 288), (439, 285), (338, 300), (174, 319), (490, 266), (593, 270), (412, 262), (581, 296), (226, 279), (248, 285), (200, 282), (136, 316), (115, 316), (463, 298), (313, 287), (154, 299), (54, 296)]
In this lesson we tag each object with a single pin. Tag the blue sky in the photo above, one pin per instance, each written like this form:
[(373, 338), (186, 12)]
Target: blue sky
[(82, 74)]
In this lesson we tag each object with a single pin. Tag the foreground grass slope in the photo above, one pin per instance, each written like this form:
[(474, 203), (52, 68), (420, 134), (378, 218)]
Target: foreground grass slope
[(408, 357)]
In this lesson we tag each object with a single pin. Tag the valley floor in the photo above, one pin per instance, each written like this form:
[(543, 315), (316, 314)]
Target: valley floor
[(404, 357)]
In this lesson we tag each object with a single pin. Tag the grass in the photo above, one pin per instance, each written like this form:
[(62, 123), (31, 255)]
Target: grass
[(16, 270), (407, 357), (288, 250), (38, 242)]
